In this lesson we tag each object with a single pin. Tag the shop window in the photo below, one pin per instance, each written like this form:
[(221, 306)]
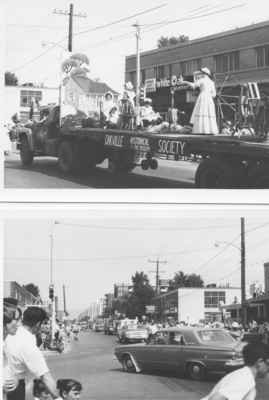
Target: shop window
[(133, 78), (227, 62), (27, 95), (212, 299), (159, 72), (262, 56), (189, 67)]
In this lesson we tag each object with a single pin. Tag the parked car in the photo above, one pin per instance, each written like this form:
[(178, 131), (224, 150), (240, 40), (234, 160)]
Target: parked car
[(193, 351), (99, 325), (109, 327), (133, 334)]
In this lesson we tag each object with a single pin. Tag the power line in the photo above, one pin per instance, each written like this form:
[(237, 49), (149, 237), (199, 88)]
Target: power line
[(120, 20), (75, 34), (197, 16), (156, 228)]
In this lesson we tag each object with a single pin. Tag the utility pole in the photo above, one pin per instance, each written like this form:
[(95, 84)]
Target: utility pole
[(64, 299), (243, 273), (157, 272), (137, 102), (71, 14)]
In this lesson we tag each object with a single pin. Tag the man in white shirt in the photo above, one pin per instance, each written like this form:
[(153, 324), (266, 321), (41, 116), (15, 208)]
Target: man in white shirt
[(24, 355), (241, 384)]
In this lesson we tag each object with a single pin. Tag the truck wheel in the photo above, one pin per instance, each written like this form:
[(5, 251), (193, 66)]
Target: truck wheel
[(117, 167), (216, 173), (26, 154), (66, 157)]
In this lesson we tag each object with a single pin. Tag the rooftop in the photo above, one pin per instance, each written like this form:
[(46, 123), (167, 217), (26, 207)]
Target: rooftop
[(206, 38)]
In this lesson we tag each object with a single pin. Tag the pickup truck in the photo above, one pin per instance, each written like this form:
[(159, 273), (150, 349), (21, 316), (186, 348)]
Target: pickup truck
[(224, 161)]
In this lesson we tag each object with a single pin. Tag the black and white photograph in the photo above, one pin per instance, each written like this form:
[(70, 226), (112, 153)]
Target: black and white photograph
[(163, 94), (152, 304)]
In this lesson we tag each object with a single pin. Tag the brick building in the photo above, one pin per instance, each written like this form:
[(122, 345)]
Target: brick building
[(236, 57)]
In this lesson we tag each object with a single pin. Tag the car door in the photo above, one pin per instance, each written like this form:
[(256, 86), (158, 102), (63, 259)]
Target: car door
[(150, 356)]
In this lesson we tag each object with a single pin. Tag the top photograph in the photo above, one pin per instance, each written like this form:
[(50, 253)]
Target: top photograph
[(155, 95)]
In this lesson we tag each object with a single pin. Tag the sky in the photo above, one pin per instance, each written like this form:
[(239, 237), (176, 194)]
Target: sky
[(97, 248), (32, 27)]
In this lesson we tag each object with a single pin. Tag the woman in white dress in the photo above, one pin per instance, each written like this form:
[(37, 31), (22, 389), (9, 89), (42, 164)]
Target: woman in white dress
[(204, 113)]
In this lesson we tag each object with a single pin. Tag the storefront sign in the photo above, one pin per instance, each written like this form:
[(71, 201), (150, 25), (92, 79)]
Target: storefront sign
[(114, 140), (150, 85), (171, 147)]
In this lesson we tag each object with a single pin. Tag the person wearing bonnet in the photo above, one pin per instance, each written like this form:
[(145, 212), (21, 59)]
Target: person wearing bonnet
[(203, 116)]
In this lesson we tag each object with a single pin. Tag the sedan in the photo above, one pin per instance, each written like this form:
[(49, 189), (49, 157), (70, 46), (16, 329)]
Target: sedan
[(193, 351)]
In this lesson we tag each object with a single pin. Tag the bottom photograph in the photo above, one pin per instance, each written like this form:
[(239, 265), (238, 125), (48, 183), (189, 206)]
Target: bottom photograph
[(136, 304)]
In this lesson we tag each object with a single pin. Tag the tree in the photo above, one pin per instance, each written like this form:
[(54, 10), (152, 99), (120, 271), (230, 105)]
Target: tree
[(141, 296), (184, 280), (11, 79), (32, 288), (165, 41)]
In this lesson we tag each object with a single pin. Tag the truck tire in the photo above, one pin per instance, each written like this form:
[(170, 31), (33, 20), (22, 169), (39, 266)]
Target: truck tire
[(26, 154), (217, 173), (120, 163), (66, 157)]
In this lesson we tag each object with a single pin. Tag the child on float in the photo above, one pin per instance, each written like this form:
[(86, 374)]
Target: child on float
[(69, 389)]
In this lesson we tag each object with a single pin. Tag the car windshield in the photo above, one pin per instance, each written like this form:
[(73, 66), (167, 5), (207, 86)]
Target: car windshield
[(215, 336)]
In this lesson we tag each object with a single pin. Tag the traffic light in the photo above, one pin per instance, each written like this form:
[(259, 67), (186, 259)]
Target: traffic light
[(51, 292), (142, 95)]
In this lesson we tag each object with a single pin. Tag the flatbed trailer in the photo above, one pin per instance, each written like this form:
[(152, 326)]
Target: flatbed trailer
[(224, 161)]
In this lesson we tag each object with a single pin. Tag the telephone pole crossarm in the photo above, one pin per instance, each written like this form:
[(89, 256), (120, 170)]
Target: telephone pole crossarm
[(71, 15)]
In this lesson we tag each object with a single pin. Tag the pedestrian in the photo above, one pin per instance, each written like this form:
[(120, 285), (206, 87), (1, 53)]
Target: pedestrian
[(69, 389), (40, 391), (10, 326), (203, 117), (24, 355), (241, 384)]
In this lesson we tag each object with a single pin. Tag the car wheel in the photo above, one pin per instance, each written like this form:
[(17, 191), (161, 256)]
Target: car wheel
[(196, 372), (127, 364)]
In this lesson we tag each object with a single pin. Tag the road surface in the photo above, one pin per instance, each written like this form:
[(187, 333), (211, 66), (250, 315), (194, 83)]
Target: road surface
[(44, 173), (91, 361)]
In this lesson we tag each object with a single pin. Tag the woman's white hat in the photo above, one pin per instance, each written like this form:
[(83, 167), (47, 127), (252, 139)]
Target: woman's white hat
[(206, 71), (147, 100)]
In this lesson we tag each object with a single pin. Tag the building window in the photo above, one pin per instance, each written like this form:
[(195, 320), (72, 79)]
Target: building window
[(262, 56), (170, 70), (189, 67), (27, 95), (212, 299), (227, 62), (133, 78), (159, 72)]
